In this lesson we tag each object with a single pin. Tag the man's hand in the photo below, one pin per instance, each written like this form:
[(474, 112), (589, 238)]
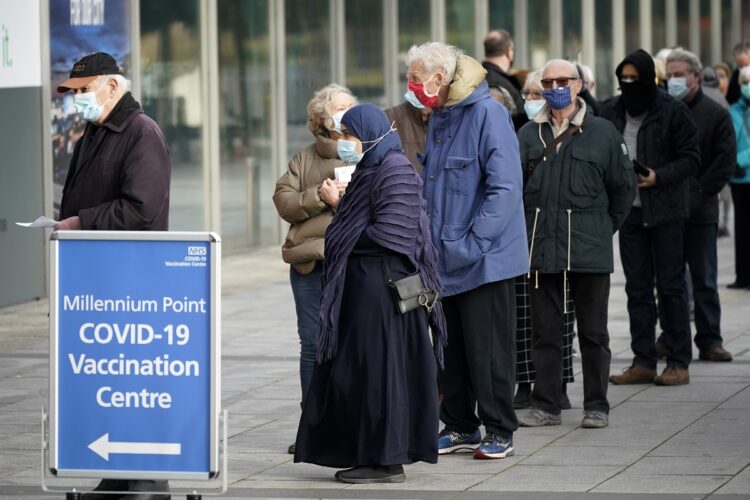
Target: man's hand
[(647, 181), (69, 224), (331, 191)]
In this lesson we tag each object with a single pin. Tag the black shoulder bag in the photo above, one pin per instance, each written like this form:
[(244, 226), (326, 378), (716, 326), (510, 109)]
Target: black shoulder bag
[(411, 292)]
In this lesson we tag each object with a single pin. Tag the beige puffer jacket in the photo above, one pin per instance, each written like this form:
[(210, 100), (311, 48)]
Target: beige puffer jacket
[(297, 201)]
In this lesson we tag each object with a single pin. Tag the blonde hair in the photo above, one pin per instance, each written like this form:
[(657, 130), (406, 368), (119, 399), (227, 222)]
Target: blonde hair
[(317, 113)]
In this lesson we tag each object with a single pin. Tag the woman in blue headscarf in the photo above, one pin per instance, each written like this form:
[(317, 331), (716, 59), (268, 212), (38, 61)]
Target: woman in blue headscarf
[(372, 404)]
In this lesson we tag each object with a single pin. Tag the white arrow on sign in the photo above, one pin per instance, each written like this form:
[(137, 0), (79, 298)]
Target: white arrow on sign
[(103, 447)]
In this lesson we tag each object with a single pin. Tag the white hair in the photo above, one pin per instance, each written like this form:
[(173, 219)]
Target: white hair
[(679, 55), (122, 82), (435, 56), (534, 78), (745, 74), (570, 65)]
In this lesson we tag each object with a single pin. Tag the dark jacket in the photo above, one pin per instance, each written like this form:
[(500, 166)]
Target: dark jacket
[(498, 77), (733, 89), (577, 198), (718, 153), (412, 130), (122, 180), (668, 144)]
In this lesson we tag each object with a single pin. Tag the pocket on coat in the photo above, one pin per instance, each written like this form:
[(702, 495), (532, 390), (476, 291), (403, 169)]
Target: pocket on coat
[(460, 247), (459, 174), (586, 177)]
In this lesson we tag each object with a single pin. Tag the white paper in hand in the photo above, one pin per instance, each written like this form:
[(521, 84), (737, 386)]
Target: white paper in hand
[(344, 174), (39, 222)]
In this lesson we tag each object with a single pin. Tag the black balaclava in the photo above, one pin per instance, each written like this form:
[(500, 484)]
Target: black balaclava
[(638, 96)]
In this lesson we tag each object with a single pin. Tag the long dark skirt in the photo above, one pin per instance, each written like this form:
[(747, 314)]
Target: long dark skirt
[(375, 402)]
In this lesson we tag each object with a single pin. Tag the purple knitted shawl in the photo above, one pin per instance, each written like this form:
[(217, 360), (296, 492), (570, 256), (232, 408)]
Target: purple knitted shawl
[(383, 198)]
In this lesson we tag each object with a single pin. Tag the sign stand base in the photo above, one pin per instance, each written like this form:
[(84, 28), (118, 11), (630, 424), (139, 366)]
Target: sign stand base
[(191, 493)]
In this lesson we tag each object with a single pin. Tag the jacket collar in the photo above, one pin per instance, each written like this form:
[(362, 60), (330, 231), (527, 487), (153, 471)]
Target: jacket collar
[(124, 111), (469, 76), (545, 115), (326, 147)]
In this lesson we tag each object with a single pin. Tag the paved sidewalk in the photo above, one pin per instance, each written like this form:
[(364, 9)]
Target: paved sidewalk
[(688, 442)]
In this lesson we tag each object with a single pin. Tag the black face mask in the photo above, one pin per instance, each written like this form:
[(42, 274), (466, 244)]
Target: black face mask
[(637, 96)]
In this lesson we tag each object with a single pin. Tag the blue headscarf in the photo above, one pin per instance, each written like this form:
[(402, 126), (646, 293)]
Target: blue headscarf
[(368, 123)]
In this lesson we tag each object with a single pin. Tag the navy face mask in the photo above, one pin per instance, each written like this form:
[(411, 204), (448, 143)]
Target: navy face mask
[(558, 97)]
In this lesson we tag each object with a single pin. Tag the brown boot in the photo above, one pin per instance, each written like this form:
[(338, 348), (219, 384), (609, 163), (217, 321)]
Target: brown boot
[(636, 374), (716, 353), (673, 375)]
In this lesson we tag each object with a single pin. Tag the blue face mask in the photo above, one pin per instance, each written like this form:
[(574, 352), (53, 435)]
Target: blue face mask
[(533, 108), (347, 151), (745, 89), (87, 107), (558, 97), (412, 99), (677, 87)]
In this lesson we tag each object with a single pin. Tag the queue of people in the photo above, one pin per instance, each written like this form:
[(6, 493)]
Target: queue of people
[(498, 201)]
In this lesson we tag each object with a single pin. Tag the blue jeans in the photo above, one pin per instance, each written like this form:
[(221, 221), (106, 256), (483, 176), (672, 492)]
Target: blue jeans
[(700, 253), (656, 255), (307, 292)]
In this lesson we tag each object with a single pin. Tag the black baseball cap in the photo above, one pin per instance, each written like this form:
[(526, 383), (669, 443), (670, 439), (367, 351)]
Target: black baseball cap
[(87, 69)]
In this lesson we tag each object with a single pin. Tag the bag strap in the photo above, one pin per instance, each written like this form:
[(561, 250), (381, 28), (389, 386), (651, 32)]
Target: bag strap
[(572, 129)]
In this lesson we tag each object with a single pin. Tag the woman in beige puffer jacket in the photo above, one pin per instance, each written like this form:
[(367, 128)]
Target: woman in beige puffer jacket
[(306, 197)]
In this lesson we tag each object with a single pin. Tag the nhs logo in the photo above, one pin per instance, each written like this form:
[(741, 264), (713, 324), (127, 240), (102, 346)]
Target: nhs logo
[(196, 250)]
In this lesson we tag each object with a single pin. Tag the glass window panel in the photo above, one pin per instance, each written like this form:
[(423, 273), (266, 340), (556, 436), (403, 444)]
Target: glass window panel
[(248, 217), (502, 15), (170, 90), (658, 33), (683, 23), (538, 32), (364, 50), (632, 27), (605, 65), (413, 29), (572, 29), (705, 29), (308, 63), (728, 42), (459, 25)]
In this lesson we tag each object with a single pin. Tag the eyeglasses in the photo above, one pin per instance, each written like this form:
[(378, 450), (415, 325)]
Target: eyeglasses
[(532, 96), (561, 82)]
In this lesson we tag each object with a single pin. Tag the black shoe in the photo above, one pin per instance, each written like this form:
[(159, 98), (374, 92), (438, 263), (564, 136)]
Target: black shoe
[(564, 402), (372, 474), (736, 286), (292, 448), (522, 398)]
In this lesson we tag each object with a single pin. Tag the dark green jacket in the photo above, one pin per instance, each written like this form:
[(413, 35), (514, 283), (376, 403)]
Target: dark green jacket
[(577, 198)]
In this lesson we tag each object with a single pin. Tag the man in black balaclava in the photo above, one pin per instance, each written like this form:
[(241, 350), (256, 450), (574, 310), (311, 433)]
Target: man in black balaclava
[(661, 139)]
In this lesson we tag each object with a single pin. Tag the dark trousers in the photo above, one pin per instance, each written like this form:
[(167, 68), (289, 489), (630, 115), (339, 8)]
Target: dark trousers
[(656, 255), (741, 200), (480, 360), (307, 291), (590, 293), (700, 254)]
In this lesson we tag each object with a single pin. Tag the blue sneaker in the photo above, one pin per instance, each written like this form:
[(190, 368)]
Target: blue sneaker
[(494, 446), (450, 441)]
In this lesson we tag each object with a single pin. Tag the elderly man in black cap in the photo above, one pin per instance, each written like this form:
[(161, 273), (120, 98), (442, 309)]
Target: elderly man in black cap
[(118, 179), (662, 140), (119, 174)]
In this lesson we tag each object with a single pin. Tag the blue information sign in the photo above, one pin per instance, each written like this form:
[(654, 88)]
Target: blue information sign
[(135, 353)]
